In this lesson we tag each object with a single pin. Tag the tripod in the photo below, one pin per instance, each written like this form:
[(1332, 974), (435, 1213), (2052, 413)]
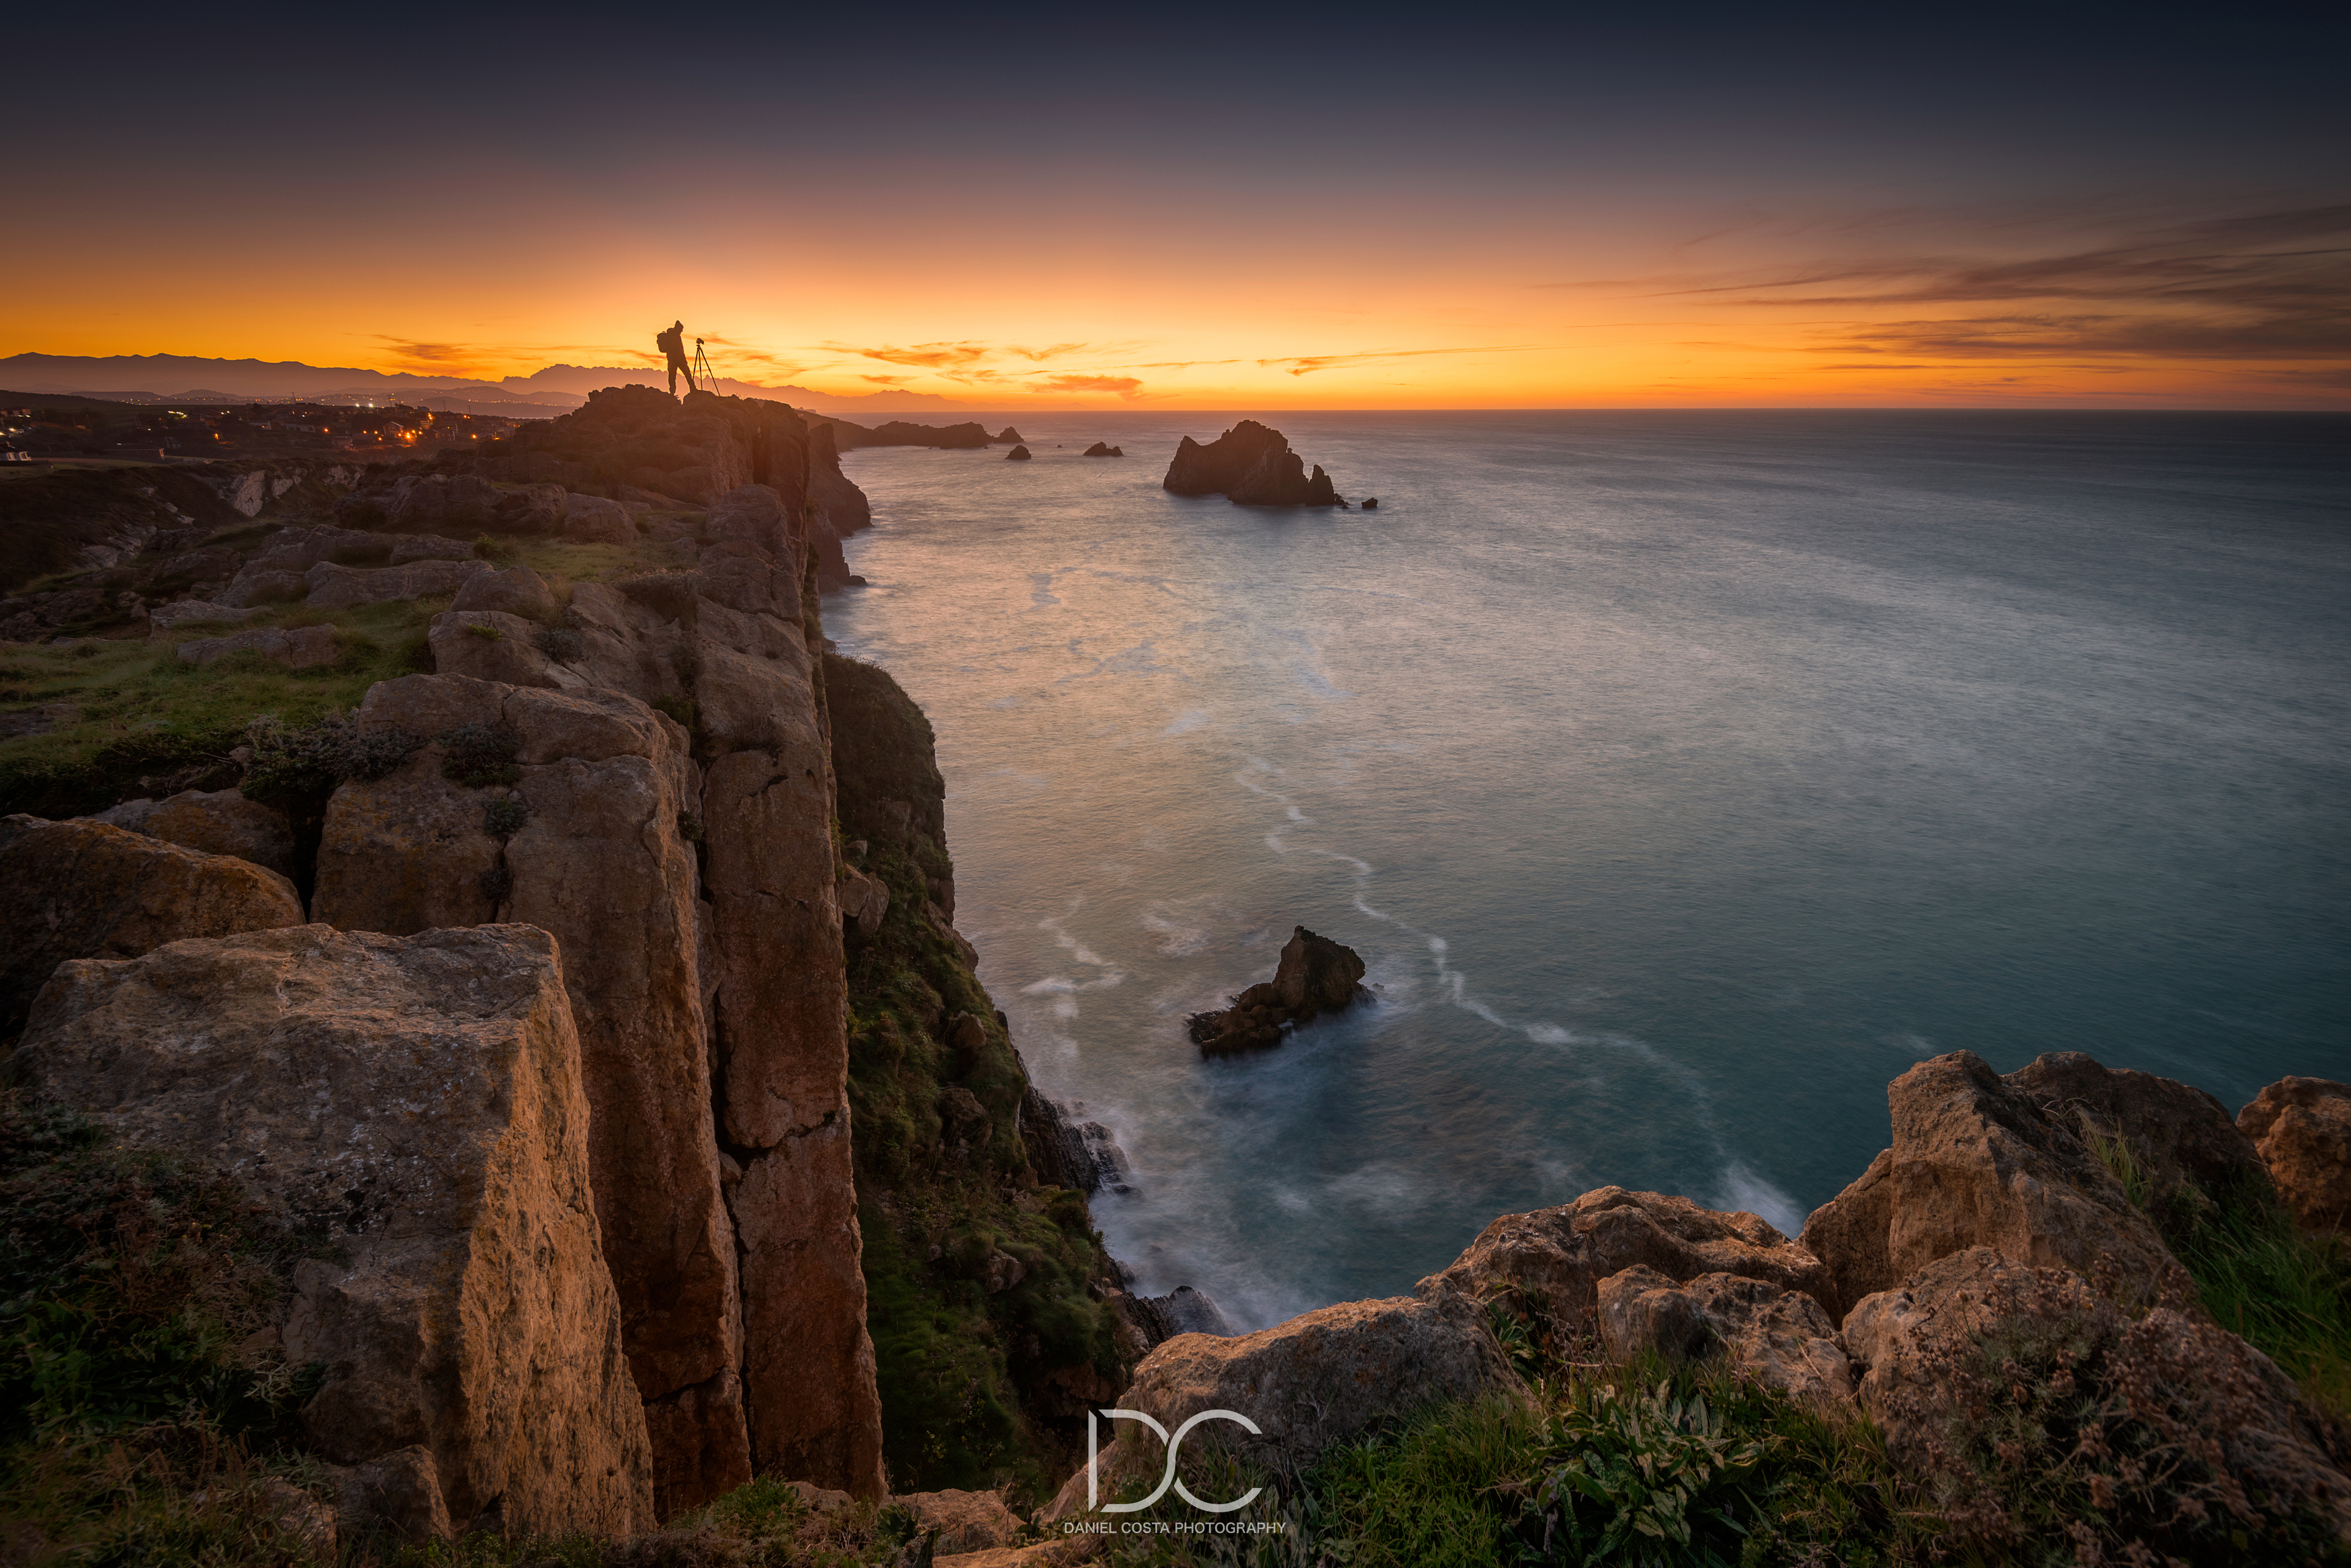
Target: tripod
[(701, 364)]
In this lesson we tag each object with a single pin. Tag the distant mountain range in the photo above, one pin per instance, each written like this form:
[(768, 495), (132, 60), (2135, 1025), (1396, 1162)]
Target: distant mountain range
[(181, 378)]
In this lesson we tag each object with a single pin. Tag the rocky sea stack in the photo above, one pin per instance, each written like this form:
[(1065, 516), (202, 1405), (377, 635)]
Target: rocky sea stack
[(1100, 449), (1017, 455), (1316, 976), (1250, 466)]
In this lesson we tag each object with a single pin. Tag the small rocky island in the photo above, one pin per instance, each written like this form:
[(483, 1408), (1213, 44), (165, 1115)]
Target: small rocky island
[(1017, 455), (1316, 975), (1103, 449), (1250, 466)]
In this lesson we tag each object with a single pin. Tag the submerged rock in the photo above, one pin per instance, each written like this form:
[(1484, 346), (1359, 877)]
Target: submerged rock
[(1316, 975), (1250, 466)]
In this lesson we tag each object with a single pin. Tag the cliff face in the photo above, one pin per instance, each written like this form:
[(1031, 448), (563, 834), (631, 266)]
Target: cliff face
[(988, 1285)]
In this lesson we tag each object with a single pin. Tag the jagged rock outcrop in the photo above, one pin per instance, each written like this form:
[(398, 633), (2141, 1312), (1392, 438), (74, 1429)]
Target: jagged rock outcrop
[(1779, 1337), (1977, 1329), (2301, 1127), (1554, 1259), (215, 822), (1103, 449), (86, 890), (2177, 1138), (1083, 1156), (1979, 1161), (1320, 1378), (1251, 465), (1315, 976), (1182, 1310), (1017, 455), (575, 828), (421, 1099)]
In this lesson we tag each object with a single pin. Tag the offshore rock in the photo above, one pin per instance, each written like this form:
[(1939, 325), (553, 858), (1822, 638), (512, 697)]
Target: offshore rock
[(1781, 1338), (2302, 1129), (1315, 975), (423, 1097), (1017, 455), (1554, 1259), (1250, 464), (215, 822), (1101, 450), (583, 840), (1978, 1161), (1008, 433), (1320, 1378), (87, 889)]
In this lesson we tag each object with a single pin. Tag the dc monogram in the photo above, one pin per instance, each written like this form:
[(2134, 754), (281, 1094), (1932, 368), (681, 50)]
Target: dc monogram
[(1174, 1445)]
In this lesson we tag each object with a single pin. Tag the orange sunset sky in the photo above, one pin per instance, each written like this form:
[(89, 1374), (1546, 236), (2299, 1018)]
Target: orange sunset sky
[(1008, 219)]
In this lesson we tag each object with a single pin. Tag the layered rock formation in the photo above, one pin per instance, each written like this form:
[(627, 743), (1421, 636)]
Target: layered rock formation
[(420, 1100), (1250, 466), (708, 994), (1315, 976)]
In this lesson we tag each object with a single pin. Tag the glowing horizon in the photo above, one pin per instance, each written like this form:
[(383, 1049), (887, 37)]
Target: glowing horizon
[(1506, 234)]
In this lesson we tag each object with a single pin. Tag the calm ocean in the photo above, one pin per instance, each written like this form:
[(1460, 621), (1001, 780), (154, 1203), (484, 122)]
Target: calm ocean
[(1681, 777)]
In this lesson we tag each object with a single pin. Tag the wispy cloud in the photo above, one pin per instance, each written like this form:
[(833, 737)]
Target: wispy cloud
[(2263, 286), (927, 356), (1307, 364), (1124, 386)]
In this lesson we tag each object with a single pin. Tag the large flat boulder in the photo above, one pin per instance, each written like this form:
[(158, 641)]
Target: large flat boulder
[(336, 587), (1979, 1362), (1981, 1161), (423, 1095), (1553, 1260), (581, 836), (2301, 1127), (296, 648), (1320, 1378), (85, 889)]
